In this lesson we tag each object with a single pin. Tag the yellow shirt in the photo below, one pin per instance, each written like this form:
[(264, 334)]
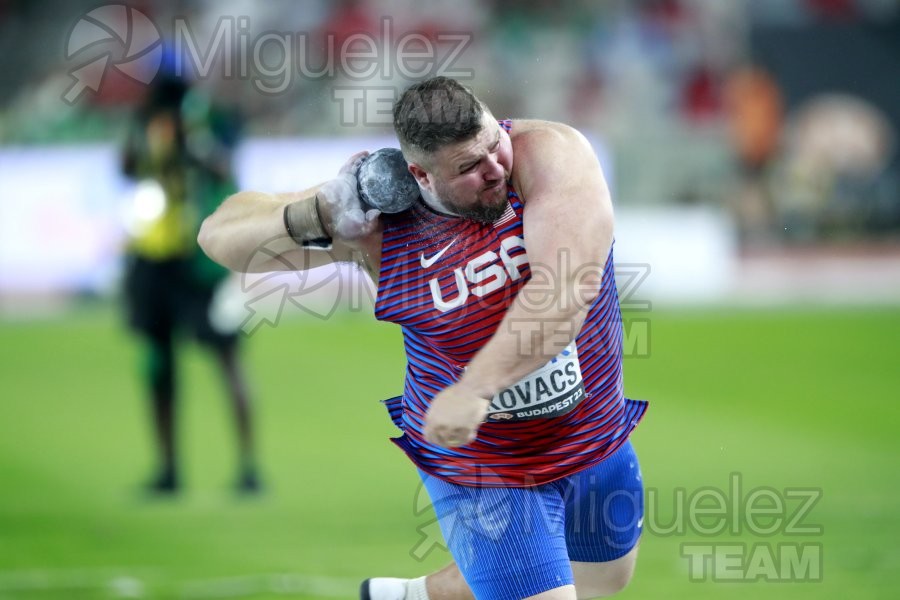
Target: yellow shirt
[(164, 224)]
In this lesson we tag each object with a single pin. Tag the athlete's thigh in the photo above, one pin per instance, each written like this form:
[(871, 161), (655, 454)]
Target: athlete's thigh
[(604, 508), (508, 543)]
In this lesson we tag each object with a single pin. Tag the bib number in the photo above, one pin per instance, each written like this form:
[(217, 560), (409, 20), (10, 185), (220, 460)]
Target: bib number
[(551, 391)]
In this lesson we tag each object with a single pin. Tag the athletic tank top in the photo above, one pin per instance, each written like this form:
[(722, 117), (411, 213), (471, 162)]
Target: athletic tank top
[(448, 282)]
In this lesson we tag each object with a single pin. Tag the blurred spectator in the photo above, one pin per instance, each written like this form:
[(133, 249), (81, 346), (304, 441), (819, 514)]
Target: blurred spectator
[(180, 149), (837, 149), (700, 96), (754, 107)]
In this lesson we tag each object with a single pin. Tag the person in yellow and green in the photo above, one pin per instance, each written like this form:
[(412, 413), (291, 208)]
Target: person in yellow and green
[(179, 150)]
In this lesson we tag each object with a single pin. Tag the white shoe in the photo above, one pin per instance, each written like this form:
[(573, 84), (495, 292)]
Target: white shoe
[(383, 588)]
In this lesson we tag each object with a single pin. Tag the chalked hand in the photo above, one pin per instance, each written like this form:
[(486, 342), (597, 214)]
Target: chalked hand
[(340, 209)]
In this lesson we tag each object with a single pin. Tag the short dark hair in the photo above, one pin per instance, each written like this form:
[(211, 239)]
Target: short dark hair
[(434, 113)]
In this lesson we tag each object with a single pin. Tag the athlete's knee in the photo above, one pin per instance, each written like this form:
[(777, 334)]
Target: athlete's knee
[(614, 581), (566, 592), (598, 580)]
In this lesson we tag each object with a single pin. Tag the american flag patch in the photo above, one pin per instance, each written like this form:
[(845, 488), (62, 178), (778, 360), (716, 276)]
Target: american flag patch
[(508, 215)]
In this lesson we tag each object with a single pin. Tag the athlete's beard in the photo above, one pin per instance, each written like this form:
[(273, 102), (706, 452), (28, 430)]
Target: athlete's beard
[(491, 207)]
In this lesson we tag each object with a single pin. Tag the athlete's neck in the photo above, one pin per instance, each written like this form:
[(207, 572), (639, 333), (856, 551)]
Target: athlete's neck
[(434, 203)]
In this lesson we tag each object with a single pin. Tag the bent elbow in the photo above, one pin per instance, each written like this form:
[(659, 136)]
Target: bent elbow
[(206, 239), (587, 284), (588, 289)]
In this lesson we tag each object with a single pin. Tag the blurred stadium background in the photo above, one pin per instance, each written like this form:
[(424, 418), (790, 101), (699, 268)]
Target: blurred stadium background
[(751, 147)]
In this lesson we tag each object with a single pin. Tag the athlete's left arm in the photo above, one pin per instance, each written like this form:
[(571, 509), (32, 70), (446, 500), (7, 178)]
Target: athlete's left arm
[(568, 225)]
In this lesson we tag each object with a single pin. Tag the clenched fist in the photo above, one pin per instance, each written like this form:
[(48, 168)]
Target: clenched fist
[(454, 416)]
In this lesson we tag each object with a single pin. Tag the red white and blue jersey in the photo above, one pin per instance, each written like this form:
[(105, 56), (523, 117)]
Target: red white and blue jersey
[(448, 282)]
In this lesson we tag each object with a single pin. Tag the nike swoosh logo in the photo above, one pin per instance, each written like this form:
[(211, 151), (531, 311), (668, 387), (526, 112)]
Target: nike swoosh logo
[(427, 262)]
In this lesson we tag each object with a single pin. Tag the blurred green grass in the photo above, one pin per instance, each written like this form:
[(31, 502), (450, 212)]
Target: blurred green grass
[(785, 398)]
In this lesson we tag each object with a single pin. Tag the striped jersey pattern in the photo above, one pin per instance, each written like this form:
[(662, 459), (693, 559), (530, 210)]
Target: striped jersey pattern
[(448, 282)]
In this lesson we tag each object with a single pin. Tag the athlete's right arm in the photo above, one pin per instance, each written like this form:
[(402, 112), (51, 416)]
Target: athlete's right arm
[(247, 232)]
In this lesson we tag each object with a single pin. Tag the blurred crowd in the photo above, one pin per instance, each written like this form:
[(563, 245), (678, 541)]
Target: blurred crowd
[(783, 112)]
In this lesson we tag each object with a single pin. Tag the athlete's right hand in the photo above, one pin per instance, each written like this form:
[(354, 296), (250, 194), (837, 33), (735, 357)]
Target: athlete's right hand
[(454, 416), (342, 212)]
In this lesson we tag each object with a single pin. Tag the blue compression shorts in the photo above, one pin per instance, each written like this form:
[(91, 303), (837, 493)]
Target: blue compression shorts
[(512, 543)]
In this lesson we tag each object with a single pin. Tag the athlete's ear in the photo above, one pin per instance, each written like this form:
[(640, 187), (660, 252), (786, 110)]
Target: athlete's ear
[(420, 174)]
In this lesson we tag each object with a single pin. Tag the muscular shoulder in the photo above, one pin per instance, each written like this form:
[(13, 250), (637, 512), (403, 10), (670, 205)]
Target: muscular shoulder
[(526, 133), (542, 148)]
